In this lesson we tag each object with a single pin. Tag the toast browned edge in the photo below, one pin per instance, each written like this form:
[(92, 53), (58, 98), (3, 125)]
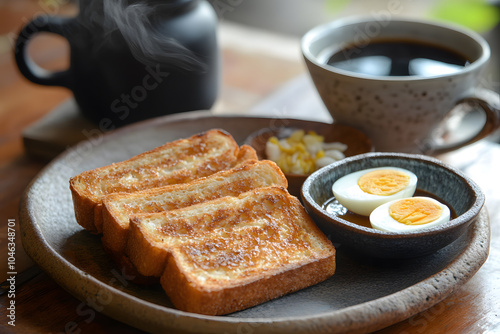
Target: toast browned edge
[(114, 235), (219, 302), (245, 153), (84, 208), (186, 297), (88, 212), (125, 266)]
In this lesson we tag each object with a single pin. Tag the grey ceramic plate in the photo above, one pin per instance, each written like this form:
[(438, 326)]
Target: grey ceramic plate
[(362, 296)]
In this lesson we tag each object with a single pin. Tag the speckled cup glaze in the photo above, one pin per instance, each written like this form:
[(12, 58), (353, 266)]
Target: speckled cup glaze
[(399, 114)]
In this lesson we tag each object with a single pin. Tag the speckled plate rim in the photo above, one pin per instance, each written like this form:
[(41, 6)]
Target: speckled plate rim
[(361, 318)]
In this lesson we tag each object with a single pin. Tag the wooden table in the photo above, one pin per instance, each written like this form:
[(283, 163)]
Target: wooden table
[(250, 75)]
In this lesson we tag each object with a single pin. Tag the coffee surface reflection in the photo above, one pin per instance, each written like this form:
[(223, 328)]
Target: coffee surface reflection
[(398, 58)]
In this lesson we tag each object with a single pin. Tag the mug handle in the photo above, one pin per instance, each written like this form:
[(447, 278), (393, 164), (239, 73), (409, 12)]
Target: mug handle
[(27, 66), (489, 102)]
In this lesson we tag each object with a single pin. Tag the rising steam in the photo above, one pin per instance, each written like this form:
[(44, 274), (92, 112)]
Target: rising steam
[(147, 44)]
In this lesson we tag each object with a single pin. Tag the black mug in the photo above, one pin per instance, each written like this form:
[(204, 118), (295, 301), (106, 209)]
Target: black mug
[(132, 60)]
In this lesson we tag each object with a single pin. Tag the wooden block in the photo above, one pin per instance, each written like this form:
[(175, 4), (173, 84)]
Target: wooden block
[(59, 129)]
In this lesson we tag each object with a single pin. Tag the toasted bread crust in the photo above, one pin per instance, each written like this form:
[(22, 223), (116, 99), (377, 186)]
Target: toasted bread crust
[(218, 239), (84, 207), (191, 247), (245, 154), (119, 207), (179, 161), (126, 267), (144, 254), (186, 296)]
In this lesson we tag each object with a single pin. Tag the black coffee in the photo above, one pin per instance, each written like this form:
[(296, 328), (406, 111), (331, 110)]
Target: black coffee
[(398, 58)]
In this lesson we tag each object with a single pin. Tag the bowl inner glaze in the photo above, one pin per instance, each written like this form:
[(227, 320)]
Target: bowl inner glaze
[(443, 181)]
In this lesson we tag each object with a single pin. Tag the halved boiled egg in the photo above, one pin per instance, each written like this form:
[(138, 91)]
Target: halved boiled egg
[(361, 192), (409, 214)]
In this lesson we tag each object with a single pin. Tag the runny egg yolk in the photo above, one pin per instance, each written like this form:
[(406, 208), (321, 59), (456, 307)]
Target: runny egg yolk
[(383, 182), (415, 211)]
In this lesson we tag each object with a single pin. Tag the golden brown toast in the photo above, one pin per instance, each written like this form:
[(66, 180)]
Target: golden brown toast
[(231, 253), (119, 207), (175, 162), (245, 153)]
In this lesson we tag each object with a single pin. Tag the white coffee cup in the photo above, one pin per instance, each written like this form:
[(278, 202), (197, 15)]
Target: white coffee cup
[(399, 113)]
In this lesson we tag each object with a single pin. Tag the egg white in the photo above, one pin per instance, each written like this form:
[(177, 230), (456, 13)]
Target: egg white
[(380, 218), (347, 191)]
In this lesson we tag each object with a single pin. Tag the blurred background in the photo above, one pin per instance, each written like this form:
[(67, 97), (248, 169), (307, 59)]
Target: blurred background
[(296, 17), (293, 18), (252, 33)]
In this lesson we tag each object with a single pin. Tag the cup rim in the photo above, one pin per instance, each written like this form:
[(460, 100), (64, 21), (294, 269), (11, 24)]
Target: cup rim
[(321, 31)]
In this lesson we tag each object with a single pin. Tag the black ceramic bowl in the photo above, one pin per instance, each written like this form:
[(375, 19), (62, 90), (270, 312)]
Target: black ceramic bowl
[(435, 177)]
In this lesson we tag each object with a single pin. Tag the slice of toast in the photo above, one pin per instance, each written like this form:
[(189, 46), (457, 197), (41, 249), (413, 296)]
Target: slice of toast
[(231, 253), (245, 154), (175, 162), (119, 207)]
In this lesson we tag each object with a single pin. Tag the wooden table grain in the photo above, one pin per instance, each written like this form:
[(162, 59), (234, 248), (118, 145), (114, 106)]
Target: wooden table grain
[(248, 77)]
